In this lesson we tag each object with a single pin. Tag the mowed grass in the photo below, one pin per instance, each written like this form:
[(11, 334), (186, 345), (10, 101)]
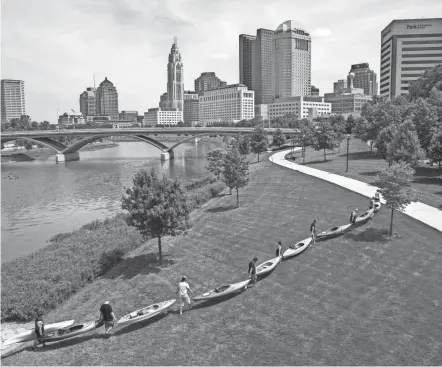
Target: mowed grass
[(364, 165), (357, 299)]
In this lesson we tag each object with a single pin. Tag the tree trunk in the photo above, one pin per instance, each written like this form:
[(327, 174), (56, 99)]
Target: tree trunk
[(325, 156), (230, 190), (303, 154), (258, 157), (371, 147), (439, 166), (237, 197), (391, 222), (160, 251)]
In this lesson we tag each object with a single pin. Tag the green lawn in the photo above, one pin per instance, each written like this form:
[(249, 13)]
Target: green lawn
[(363, 166), (360, 299)]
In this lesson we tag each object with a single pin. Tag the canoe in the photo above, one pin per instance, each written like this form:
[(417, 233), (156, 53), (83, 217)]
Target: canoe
[(30, 335), (364, 217), (268, 266), (377, 206), (335, 231), (72, 331), (297, 248), (146, 312), (222, 291)]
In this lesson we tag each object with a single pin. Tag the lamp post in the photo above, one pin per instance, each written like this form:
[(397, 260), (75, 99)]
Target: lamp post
[(348, 141)]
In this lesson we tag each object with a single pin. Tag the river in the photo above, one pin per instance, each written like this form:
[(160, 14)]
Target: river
[(49, 198)]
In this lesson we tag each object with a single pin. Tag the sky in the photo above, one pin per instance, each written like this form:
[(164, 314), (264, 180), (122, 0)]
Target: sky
[(56, 46)]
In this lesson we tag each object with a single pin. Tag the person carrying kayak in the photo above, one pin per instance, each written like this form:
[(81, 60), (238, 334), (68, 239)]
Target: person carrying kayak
[(371, 203), (353, 216), (108, 317), (377, 195), (252, 272), (279, 249), (313, 230), (39, 330), (182, 289)]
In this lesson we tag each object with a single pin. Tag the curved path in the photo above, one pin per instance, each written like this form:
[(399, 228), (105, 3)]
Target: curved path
[(417, 210)]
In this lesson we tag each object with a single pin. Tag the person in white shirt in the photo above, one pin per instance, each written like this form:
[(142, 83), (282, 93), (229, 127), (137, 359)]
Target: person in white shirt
[(183, 287)]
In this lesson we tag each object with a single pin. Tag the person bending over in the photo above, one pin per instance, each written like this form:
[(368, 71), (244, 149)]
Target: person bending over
[(108, 317)]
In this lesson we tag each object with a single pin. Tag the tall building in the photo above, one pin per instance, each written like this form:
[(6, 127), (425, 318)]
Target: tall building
[(262, 66), (175, 78), (163, 100), (87, 102), (207, 81), (408, 48), (231, 103), (365, 78), (300, 106), (106, 98), (12, 99), (245, 59), (314, 91), (191, 102), (339, 86), (292, 60)]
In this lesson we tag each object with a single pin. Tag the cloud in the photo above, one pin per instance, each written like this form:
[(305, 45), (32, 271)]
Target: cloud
[(323, 34), (220, 56)]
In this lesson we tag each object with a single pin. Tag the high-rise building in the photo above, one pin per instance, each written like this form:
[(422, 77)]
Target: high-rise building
[(408, 48), (175, 78), (262, 66), (314, 91), (292, 60), (207, 81), (12, 99), (106, 98), (87, 102), (191, 102), (163, 100), (365, 78), (245, 59), (339, 86)]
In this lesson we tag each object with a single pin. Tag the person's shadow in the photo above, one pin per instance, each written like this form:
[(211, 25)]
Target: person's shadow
[(68, 342)]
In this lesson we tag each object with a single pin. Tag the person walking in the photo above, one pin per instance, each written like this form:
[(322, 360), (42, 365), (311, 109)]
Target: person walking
[(353, 216), (39, 330), (371, 203), (313, 230), (252, 272), (377, 196), (279, 249), (108, 317), (182, 289)]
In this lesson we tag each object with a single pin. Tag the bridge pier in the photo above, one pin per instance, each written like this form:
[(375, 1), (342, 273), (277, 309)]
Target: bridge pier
[(166, 156), (195, 140), (66, 157)]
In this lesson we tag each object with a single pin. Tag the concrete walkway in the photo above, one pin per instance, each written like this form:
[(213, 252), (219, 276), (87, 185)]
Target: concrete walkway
[(417, 210)]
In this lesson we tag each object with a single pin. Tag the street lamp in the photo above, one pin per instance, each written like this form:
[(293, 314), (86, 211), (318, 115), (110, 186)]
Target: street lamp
[(348, 141)]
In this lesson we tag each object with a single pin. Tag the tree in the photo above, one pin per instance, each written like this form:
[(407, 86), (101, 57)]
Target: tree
[(324, 137), (236, 171), (216, 161), (45, 125), (180, 124), (279, 138), (304, 137), (259, 140), (28, 144), (421, 87), (157, 206), (394, 183), (435, 150), (425, 119), (244, 145), (349, 124)]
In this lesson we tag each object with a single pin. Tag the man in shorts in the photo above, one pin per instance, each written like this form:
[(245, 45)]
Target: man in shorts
[(313, 230), (108, 317), (252, 272), (279, 249), (39, 330), (183, 287)]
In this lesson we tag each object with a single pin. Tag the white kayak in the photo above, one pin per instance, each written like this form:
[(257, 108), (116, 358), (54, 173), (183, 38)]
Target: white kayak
[(222, 291), (335, 231), (30, 335), (268, 266), (364, 217), (72, 331), (146, 312), (297, 248)]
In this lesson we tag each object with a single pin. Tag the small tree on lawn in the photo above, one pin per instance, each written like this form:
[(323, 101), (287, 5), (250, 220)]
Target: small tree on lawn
[(236, 171), (157, 206), (279, 138), (435, 149), (349, 124), (216, 161), (304, 137), (324, 137), (259, 141), (394, 183), (244, 145)]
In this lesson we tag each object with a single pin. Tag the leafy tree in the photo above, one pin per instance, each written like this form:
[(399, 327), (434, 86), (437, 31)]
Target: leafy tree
[(435, 150), (324, 137), (216, 161), (405, 145), (350, 124), (279, 138), (421, 87), (236, 171), (425, 119), (244, 145), (180, 124), (366, 131), (34, 125), (28, 144), (394, 183), (45, 125), (304, 137), (259, 141), (157, 206), (385, 137)]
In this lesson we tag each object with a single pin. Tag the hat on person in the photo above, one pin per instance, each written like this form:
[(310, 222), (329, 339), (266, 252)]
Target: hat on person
[(107, 302), (183, 278), (255, 259)]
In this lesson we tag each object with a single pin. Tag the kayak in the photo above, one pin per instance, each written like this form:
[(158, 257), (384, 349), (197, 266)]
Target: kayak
[(297, 248), (377, 206), (267, 266), (30, 335), (364, 217), (335, 231), (146, 312), (222, 291), (72, 331)]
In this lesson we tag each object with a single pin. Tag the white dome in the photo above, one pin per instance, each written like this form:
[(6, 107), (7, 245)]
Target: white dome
[(290, 24)]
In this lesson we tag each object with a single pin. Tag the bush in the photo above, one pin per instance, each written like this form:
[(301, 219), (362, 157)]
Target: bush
[(204, 194)]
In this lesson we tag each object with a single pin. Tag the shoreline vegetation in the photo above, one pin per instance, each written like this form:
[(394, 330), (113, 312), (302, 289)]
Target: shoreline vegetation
[(44, 279)]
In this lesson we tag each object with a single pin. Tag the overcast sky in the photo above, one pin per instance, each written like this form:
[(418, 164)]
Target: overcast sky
[(56, 46)]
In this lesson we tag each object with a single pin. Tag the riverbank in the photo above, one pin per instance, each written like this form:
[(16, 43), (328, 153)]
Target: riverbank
[(360, 299)]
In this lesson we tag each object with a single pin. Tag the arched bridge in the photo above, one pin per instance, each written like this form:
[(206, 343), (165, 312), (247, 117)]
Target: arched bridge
[(68, 153)]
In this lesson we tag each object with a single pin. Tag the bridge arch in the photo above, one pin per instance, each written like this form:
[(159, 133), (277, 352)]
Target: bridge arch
[(47, 142), (201, 135)]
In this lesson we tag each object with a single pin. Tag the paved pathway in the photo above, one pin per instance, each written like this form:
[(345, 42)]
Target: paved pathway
[(417, 210)]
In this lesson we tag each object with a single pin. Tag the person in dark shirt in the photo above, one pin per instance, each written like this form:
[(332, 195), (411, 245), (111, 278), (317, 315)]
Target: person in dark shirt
[(371, 203), (108, 317), (313, 230), (279, 249), (39, 330), (353, 216), (377, 195), (252, 271)]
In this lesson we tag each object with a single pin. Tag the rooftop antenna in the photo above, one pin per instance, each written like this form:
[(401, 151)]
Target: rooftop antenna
[(94, 81), (175, 40)]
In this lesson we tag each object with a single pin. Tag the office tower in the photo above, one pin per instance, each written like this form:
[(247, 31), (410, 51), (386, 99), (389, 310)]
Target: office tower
[(87, 102), (365, 78), (408, 48), (339, 86), (245, 59), (207, 81), (12, 99), (163, 100), (106, 98), (175, 78), (262, 66), (190, 112), (314, 91), (292, 60)]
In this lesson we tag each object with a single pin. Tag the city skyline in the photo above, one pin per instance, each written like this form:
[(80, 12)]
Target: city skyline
[(62, 57)]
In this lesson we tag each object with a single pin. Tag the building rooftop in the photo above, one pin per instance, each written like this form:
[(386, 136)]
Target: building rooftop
[(289, 25)]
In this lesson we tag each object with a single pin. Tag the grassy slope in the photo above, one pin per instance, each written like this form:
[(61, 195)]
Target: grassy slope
[(357, 299), (363, 166)]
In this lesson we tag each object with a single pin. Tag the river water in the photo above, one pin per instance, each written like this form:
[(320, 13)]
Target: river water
[(49, 198)]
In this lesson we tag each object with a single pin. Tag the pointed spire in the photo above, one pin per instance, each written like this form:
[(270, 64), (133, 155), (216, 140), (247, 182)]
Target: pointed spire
[(175, 40)]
